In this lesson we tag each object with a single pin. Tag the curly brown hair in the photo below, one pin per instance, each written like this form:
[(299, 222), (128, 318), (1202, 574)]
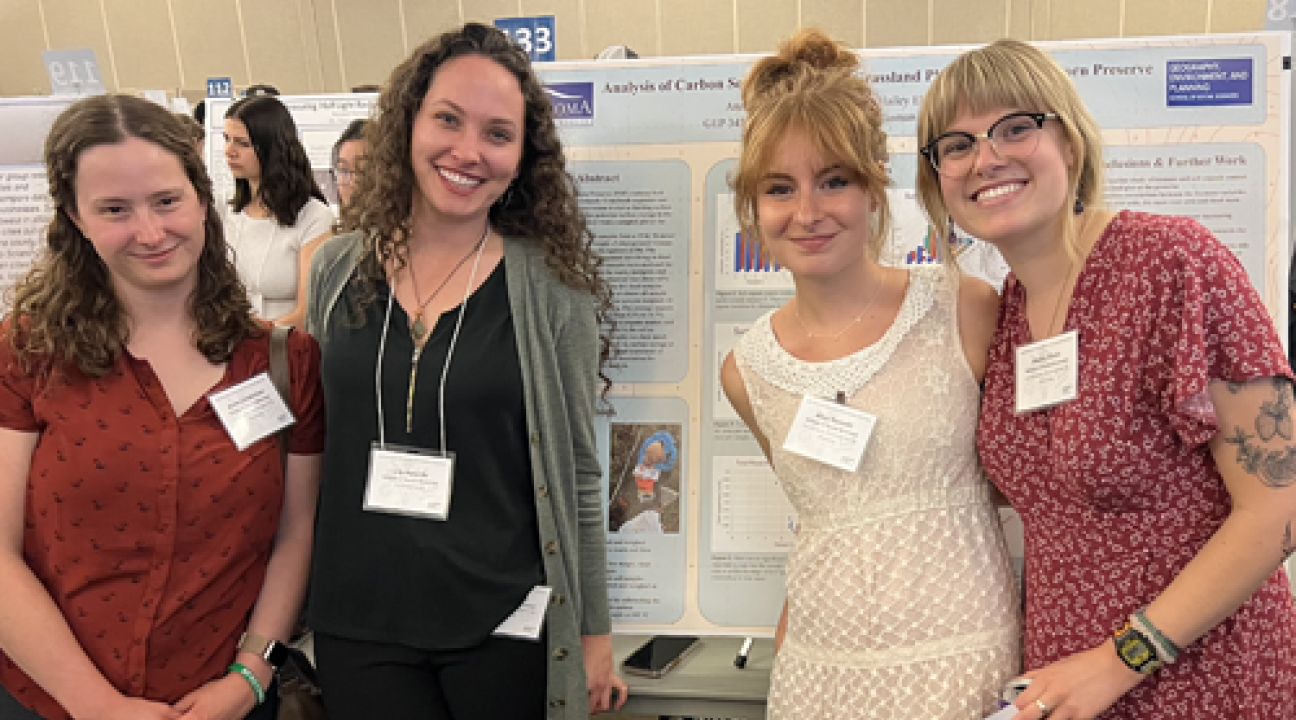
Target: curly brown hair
[(540, 204), (810, 85), (65, 305)]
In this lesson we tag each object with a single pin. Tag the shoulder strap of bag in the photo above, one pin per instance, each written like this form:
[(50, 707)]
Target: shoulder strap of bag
[(281, 379)]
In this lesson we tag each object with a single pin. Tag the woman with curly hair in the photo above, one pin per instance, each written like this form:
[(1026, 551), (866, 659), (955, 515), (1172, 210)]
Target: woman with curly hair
[(900, 598), (153, 551), (277, 208), (459, 326)]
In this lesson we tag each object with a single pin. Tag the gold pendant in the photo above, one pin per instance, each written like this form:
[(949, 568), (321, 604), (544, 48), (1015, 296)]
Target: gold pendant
[(417, 329)]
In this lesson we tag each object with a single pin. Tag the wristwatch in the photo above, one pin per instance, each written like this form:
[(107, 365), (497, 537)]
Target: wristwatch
[(1136, 651), (272, 651)]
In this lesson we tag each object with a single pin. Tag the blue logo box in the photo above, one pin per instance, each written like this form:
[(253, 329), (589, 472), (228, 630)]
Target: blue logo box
[(1204, 82), (573, 103)]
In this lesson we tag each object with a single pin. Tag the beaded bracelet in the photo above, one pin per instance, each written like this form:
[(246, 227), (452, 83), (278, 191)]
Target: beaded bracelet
[(252, 680), (1166, 648)]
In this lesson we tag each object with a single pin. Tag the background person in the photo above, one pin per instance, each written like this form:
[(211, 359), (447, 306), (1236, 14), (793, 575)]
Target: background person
[(1153, 474), (468, 295), (276, 209), (137, 543), (900, 598)]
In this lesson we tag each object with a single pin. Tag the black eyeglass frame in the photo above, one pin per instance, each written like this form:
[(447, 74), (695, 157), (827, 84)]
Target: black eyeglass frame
[(929, 150)]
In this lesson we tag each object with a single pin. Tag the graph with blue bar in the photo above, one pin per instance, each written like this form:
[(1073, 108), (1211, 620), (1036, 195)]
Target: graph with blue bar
[(749, 258), (925, 254)]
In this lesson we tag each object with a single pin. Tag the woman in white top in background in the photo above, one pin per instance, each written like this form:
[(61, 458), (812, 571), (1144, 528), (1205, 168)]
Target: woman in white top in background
[(277, 207)]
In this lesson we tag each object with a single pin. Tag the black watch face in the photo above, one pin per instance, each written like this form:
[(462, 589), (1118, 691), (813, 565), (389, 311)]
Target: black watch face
[(277, 653)]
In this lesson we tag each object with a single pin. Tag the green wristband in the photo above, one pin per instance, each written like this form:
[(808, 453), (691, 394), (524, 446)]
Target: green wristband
[(251, 678)]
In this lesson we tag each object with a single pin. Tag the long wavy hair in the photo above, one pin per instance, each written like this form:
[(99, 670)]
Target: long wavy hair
[(539, 206), (287, 183), (811, 86), (64, 310)]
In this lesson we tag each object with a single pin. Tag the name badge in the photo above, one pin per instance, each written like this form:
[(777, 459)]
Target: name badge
[(251, 410), (1048, 372), (409, 481), (831, 433), (526, 621)]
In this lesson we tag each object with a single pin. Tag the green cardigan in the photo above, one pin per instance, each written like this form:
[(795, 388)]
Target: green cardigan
[(558, 349)]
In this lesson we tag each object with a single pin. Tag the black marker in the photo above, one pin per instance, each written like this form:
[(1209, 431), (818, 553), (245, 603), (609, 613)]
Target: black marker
[(740, 662)]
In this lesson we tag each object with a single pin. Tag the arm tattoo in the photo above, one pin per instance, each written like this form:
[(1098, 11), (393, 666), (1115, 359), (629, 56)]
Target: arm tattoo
[(1275, 468), (1275, 418)]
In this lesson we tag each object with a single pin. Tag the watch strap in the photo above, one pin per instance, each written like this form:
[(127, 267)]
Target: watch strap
[(272, 651)]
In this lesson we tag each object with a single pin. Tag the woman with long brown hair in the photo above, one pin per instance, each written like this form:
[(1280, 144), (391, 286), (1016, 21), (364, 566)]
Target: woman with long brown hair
[(459, 324), (153, 548)]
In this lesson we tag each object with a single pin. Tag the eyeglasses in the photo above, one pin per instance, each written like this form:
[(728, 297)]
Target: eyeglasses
[(1014, 136), (344, 176)]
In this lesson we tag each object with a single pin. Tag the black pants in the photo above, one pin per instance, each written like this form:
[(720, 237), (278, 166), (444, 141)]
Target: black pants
[(11, 709), (501, 678)]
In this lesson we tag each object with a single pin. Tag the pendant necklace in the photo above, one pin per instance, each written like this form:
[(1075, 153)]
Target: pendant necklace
[(419, 331), (796, 309)]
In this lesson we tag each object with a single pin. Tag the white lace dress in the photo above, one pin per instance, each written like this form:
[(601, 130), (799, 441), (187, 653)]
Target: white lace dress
[(901, 602)]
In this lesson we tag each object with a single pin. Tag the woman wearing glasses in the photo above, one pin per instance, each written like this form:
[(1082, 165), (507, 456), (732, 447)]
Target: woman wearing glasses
[(277, 207), (348, 158), (900, 598), (1137, 412)]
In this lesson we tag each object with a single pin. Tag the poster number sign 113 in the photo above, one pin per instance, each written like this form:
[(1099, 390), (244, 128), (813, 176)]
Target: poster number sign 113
[(535, 35)]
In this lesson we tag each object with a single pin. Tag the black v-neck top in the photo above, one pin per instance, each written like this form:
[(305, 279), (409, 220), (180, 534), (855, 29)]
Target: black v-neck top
[(419, 582)]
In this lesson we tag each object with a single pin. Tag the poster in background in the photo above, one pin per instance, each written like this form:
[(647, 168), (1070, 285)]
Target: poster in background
[(1195, 125)]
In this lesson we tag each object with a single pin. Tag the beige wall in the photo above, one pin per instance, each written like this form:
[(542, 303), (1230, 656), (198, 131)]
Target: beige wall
[(307, 46)]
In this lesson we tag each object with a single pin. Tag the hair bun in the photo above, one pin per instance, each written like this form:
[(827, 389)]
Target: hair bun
[(814, 48), (808, 50)]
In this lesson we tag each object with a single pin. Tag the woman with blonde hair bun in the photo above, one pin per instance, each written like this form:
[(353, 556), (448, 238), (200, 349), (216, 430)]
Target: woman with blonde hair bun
[(900, 598)]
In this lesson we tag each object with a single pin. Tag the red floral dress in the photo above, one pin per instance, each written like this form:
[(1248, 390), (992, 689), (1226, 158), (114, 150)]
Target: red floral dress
[(1117, 489)]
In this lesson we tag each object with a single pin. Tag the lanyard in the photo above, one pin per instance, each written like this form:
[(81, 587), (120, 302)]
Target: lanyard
[(418, 352)]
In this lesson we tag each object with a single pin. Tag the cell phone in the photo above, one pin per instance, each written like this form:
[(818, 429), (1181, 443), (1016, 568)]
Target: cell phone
[(657, 656)]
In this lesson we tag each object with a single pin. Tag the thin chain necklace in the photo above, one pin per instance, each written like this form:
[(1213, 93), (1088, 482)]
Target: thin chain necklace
[(833, 337), (1057, 306), (418, 331)]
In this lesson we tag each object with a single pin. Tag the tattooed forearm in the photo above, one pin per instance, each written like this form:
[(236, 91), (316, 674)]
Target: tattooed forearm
[(1275, 468)]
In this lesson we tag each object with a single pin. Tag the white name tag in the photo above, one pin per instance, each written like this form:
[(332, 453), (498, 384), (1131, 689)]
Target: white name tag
[(409, 481), (1048, 372), (526, 621), (251, 410), (830, 432)]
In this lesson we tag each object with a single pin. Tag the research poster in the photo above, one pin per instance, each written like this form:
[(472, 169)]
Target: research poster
[(1195, 126), (698, 526), (25, 205)]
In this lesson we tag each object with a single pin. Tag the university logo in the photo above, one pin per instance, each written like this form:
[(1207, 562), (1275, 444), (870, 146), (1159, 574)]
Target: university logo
[(573, 103)]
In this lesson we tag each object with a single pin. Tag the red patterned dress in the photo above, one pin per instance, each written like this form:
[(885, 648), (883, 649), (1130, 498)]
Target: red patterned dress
[(1117, 489)]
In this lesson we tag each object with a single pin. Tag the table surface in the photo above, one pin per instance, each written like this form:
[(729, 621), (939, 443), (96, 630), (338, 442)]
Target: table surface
[(705, 683)]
